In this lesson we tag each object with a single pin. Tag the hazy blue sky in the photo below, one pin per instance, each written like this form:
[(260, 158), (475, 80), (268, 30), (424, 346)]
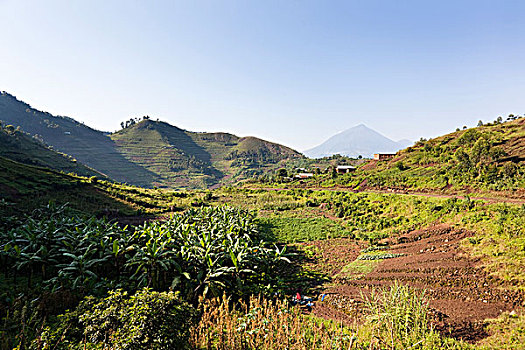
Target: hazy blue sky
[(293, 72)]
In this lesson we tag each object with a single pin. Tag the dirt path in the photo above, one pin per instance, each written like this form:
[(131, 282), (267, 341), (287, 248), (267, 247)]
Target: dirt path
[(461, 294), (404, 192)]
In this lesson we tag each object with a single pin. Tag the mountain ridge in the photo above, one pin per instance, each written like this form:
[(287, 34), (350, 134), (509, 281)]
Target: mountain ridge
[(150, 153), (19, 146)]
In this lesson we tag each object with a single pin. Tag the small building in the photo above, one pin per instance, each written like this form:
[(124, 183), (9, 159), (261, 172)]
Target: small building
[(383, 156), (344, 169), (304, 175)]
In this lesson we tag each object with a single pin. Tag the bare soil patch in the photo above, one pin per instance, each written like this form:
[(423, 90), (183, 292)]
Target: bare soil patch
[(461, 294)]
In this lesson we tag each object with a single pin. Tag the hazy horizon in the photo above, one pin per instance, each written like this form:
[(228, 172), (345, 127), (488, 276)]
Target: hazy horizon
[(294, 73)]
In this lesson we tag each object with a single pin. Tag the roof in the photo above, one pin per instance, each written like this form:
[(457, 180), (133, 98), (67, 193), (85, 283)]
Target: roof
[(303, 175), (345, 167)]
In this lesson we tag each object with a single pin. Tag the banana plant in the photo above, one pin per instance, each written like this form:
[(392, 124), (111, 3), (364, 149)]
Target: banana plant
[(80, 271)]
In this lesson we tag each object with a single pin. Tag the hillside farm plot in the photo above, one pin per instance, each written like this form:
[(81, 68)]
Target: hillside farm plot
[(461, 294)]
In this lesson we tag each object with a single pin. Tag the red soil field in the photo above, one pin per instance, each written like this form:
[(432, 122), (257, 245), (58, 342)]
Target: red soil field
[(461, 294)]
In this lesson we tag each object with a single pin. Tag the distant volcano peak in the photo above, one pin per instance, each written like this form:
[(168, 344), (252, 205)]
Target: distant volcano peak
[(359, 140)]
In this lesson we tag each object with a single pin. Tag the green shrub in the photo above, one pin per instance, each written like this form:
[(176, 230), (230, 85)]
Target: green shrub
[(146, 320)]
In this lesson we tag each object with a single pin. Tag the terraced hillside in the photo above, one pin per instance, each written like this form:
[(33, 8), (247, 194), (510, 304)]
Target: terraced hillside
[(150, 153), (24, 188), (21, 147), (89, 146), (182, 158)]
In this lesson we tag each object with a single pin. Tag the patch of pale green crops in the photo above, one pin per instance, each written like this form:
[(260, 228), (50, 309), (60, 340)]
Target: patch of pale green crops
[(357, 269), (380, 256)]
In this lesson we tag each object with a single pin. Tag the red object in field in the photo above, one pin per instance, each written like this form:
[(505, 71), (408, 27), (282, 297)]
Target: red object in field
[(298, 296)]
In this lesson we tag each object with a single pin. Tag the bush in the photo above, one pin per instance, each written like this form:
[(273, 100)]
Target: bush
[(146, 320), (401, 166)]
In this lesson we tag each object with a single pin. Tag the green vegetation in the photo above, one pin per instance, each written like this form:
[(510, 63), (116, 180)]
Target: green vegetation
[(214, 256), (398, 319), (487, 159), (148, 153), (507, 332), (378, 256), (207, 251), (202, 251), (366, 262), (25, 188), (71, 278), (357, 269), (21, 147), (145, 320), (293, 229)]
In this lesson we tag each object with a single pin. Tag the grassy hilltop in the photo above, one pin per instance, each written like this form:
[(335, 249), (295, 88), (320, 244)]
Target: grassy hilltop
[(489, 157), (181, 158)]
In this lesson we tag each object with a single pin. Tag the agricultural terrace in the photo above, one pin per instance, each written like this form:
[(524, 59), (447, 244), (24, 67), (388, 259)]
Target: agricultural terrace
[(217, 269)]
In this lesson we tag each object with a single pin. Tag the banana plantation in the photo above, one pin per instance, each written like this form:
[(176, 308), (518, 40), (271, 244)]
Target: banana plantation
[(202, 252)]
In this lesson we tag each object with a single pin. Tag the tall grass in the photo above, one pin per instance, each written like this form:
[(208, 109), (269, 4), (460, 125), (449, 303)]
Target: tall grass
[(399, 314), (397, 318), (264, 324)]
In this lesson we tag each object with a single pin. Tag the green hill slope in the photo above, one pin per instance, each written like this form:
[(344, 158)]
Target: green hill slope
[(91, 147), (31, 187), (24, 188), (21, 147), (182, 158), (486, 158), (150, 153), (167, 152)]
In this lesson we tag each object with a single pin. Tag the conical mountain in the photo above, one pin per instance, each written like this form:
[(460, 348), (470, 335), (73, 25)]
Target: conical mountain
[(357, 141)]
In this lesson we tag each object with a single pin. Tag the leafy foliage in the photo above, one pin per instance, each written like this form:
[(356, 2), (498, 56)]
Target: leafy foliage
[(145, 320), (203, 251), (207, 250)]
